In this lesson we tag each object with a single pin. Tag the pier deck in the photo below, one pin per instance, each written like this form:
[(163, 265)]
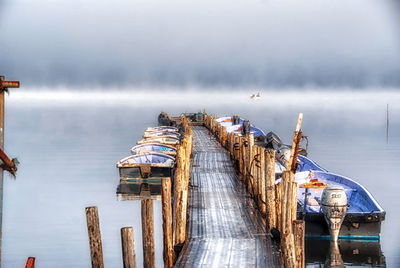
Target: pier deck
[(225, 229)]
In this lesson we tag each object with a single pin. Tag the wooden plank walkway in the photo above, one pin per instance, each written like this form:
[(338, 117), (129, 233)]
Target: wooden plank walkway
[(225, 230)]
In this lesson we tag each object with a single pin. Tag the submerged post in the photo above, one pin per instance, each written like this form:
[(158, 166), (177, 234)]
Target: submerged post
[(96, 251), (148, 233), (128, 247)]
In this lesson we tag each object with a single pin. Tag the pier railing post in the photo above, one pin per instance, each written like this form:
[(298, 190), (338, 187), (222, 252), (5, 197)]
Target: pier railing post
[(261, 169), (148, 233), (93, 225), (167, 222), (128, 247), (298, 232)]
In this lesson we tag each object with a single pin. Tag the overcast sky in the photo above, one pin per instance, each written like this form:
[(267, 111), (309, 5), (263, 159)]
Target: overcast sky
[(201, 42)]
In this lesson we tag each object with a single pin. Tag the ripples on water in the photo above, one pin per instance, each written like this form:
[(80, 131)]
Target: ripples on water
[(68, 144)]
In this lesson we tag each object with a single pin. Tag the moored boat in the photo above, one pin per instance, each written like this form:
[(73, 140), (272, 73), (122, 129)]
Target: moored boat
[(161, 139), (161, 134), (141, 174), (153, 147), (363, 217)]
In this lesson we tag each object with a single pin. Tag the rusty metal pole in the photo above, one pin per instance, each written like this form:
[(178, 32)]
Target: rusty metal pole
[(3, 86), (1, 172)]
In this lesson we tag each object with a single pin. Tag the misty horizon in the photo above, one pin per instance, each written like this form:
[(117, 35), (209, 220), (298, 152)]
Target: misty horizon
[(209, 44)]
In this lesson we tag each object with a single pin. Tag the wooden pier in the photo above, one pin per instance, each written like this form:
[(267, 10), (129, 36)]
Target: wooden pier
[(224, 227), (220, 206)]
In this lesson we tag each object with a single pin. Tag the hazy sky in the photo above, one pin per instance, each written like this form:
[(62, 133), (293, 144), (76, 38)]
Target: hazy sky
[(209, 43)]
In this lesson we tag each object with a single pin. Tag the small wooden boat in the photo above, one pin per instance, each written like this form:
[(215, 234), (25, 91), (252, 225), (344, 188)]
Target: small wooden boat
[(153, 147), (161, 134), (172, 141), (162, 128), (241, 126), (141, 175)]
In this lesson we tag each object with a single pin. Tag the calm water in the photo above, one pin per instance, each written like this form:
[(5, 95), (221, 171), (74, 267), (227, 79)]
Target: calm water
[(68, 144)]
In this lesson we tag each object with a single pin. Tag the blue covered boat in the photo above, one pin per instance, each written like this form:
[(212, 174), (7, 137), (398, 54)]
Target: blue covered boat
[(241, 126), (153, 147), (141, 174), (151, 134), (364, 214)]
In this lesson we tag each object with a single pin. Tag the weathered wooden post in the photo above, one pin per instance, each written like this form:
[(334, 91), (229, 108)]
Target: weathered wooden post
[(167, 222), (240, 156), (278, 208), (270, 189), (148, 233), (262, 191), (128, 247), (298, 232), (236, 146), (96, 251)]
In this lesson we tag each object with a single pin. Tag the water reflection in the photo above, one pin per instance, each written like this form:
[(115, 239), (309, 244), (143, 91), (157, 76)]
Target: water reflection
[(324, 253)]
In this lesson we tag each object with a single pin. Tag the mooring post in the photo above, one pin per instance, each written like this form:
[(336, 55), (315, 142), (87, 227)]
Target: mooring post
[(236, 147), (167, 222), (278, 208), (128, 247), (240, 156), (148, 233), (262, 191), (298, 232), (93, 225), (270, 188)]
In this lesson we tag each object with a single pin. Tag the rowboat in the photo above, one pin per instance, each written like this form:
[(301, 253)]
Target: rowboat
[(241, 126), (141, 174), (153, 147), (161, 134), (167, 140), (162, 128)]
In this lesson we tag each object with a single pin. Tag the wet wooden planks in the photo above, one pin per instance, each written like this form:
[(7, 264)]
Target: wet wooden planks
[(224, 228)]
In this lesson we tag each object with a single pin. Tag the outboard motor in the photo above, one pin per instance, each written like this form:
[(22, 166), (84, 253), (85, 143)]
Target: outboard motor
[(334, 208), (283, 155), (235, 120), (273, 141), (246, 127)]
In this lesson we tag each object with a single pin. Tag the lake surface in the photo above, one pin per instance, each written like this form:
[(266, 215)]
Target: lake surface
[(68, 142)]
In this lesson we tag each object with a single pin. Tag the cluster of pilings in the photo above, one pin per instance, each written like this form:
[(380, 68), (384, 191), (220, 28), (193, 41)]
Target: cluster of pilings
[(174, 200), (276, 201)]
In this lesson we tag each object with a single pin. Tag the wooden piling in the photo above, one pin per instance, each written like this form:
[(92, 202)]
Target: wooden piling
[(271, 197), (298, 232), (262, 182), (237, 144), (148, 233), (240, 157), (128, 247), (96, 251), (167, 222), (278, 209), (249, 160)]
